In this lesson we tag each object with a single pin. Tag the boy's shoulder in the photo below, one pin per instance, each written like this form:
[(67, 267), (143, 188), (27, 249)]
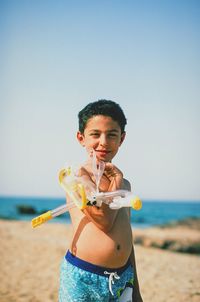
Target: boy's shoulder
[(84, 170), (126, 185), (85, 173)]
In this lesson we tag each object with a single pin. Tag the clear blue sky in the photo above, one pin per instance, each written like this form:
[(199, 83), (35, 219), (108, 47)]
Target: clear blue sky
[(56, 56)]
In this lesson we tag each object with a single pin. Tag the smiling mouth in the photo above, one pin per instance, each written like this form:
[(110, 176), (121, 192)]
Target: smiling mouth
[(102, 151)]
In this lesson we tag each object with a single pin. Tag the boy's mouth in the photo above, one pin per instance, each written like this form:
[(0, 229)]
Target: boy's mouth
[(103, 152)]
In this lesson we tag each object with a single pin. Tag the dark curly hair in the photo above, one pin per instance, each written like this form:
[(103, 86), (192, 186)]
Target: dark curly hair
[(102, 107)]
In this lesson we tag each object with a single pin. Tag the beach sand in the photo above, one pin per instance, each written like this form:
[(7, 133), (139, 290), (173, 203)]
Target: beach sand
[(30, 260)]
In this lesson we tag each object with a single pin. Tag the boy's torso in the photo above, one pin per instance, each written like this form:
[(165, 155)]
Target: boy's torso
[(109, 249)]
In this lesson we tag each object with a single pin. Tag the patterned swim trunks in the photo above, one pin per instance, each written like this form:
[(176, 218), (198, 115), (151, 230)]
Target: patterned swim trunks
[(81, 281)]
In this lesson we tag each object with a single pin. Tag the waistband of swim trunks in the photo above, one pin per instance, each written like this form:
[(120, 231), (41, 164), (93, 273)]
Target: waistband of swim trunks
[(92, 268)]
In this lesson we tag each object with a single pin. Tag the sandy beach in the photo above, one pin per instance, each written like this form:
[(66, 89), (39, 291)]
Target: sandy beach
[(30, 260)]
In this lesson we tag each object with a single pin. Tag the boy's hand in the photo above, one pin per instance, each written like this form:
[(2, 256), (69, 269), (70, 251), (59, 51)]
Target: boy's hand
[(112, 171), (114, 175)]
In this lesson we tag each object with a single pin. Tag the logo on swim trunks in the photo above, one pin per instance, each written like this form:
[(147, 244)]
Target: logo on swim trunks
[(125, 294)]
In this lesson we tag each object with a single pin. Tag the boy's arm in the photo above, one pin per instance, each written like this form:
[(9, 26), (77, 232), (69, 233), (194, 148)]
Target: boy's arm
[(103, 217), (136, 289)]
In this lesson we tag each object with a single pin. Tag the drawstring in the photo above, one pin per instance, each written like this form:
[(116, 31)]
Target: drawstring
[(111, 281)]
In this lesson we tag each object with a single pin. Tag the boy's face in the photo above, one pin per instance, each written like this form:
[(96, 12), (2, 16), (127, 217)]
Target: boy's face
[(102, 134)]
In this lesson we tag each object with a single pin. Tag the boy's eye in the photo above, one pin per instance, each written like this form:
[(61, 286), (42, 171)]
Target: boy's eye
[(109, 135), (94, 134)]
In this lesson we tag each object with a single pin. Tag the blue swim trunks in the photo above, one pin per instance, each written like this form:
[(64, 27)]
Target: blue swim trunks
[(81, 281)]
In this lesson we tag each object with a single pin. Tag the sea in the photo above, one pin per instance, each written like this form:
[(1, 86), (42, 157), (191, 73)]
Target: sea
[(153, 212)]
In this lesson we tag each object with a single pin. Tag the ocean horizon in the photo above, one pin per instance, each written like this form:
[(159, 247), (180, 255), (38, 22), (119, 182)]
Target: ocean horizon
[(153, 212)]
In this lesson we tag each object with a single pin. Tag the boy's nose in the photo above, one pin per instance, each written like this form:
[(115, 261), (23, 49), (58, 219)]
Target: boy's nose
[(103, 140)]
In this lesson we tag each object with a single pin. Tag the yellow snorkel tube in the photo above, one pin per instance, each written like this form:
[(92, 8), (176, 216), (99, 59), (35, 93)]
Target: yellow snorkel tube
[(75, 190)]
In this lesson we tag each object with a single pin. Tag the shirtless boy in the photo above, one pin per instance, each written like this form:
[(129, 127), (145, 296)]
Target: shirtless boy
[(100, 265)]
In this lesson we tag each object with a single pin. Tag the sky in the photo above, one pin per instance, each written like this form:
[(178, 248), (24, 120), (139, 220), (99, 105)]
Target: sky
[(57, 56)]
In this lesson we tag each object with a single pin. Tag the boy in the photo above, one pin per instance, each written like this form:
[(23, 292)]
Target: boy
[(100, 265)]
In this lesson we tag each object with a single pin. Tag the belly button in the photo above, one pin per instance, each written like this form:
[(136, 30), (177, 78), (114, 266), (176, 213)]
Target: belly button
[(118, 247)]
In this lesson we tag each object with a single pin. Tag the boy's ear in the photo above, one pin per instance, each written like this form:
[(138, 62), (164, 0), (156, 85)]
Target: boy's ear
[(122, 137), (80, 138)]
